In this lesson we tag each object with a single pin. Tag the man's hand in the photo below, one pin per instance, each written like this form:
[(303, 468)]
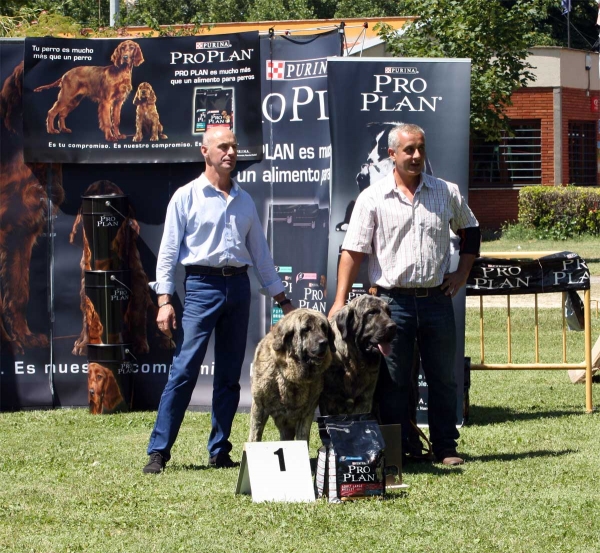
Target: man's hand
[(337, 305), (453, 282), (166, 319)]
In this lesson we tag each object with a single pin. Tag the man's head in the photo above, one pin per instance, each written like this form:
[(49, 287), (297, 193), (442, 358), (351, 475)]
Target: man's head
[(407, 149), (219, 148)]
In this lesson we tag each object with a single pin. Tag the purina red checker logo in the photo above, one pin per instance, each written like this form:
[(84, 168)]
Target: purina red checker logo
[(275, 70)]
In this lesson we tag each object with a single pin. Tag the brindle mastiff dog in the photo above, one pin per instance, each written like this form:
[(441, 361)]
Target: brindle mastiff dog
[(363, 332), (287, 374)]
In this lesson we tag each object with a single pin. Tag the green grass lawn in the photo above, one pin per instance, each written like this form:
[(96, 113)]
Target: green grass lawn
[(71, 482)]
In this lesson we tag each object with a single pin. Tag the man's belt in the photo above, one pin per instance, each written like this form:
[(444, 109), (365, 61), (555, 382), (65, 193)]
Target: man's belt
[(226, 271), (416, 292)]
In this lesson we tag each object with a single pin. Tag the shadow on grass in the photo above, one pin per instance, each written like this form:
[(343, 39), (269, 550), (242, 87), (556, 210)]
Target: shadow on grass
[(482, 416), (523, 455), (199, 467)]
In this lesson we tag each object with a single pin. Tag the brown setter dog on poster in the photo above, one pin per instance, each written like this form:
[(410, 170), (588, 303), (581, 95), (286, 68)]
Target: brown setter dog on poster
[(109, 86), (25, 205), (104, 395), (140, 305), (146, 115)]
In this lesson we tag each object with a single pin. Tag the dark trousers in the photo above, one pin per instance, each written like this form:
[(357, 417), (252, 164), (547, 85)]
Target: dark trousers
[(212, 303), (430, 322)]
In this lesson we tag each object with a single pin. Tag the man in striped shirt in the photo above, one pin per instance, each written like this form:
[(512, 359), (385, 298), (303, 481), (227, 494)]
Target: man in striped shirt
[(403, 222)]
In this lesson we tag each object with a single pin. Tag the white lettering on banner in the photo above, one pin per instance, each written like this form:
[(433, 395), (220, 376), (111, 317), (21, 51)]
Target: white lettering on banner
[(386, 87), (560, 276), (21, 369), (319, 306), (579, 264), (274, 174), (370, 98), (416, 86), (490, 272), (491, 284), (211, 56), (64, 368), (279, 151), (208, 369), (302, 96), (307, 68)]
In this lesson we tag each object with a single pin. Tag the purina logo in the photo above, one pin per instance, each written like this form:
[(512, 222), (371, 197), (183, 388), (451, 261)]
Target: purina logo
[(282, 70), (402, 70), (213, 45)]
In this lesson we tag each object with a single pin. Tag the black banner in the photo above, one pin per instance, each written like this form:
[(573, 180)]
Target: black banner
[(557, 272), (293, 178), (293, 208), (367, 98), (139, 101)]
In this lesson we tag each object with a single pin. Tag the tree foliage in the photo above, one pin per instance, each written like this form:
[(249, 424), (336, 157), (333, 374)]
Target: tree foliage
[(495, 38)]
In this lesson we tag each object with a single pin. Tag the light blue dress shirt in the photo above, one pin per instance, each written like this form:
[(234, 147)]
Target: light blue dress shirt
[(202, 227)]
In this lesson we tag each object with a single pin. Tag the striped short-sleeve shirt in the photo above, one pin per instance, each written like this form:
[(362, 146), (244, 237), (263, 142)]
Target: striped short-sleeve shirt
[(408, 242)]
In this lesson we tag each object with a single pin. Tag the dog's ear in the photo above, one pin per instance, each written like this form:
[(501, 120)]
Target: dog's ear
[(344, 319), (117, 54), (112, 395), (136, 98), (152, 99), (138, 58), (283, 333)]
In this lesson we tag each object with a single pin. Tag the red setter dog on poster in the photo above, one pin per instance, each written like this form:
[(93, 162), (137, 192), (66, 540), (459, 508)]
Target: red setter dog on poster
[(109, 86), (24, 209), (104, 395), (140, 305)]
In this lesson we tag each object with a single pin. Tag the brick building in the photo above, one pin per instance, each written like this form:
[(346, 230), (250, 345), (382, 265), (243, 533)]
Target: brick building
[(555, 123)]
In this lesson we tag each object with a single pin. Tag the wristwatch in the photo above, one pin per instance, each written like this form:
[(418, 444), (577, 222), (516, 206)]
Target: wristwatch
[(284, 302)]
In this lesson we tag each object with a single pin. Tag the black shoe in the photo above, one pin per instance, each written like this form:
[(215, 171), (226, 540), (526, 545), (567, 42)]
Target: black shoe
[(155, 465), (221, 461)]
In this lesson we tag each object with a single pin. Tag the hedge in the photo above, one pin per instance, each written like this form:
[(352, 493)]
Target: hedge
[(560, 212)]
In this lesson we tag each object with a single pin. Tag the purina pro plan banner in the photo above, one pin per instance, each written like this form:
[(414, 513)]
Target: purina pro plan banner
[(367, 98), (143, 100)]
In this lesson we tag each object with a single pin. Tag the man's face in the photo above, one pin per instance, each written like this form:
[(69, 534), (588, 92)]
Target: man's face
[(409, 158), (221, 150)]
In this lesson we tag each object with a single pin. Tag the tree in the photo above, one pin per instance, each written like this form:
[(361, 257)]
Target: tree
[(495, 37)]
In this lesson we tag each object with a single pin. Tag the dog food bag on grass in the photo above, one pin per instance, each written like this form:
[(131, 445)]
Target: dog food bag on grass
[(351, 463)]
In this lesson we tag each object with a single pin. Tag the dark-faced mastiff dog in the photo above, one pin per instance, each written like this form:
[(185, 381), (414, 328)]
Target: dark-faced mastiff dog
[(287, 374), (363, 331)]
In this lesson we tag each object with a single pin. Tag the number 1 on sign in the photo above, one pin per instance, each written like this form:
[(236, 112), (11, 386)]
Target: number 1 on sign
[(279, 454)]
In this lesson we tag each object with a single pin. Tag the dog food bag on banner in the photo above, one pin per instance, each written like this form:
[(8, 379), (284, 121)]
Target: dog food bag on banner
[(200, 111), (351, 463), (218, 108)]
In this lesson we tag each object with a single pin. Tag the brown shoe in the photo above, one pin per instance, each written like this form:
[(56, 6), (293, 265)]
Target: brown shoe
[(452, 460)]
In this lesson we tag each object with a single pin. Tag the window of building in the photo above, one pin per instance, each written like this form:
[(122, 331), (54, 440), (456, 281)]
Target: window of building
[(582, 153), (516, 160)]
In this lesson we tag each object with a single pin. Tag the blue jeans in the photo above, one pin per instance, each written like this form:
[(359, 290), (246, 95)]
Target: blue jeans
[(430, 322), (212, 303)]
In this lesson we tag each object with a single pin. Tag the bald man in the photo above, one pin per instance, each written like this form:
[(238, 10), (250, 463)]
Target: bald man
[(212, 229)]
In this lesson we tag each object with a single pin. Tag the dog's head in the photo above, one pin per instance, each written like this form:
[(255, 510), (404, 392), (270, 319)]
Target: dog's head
[(366, 322), (103, 391), (127, 54), (145, 94), (305, 336)]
